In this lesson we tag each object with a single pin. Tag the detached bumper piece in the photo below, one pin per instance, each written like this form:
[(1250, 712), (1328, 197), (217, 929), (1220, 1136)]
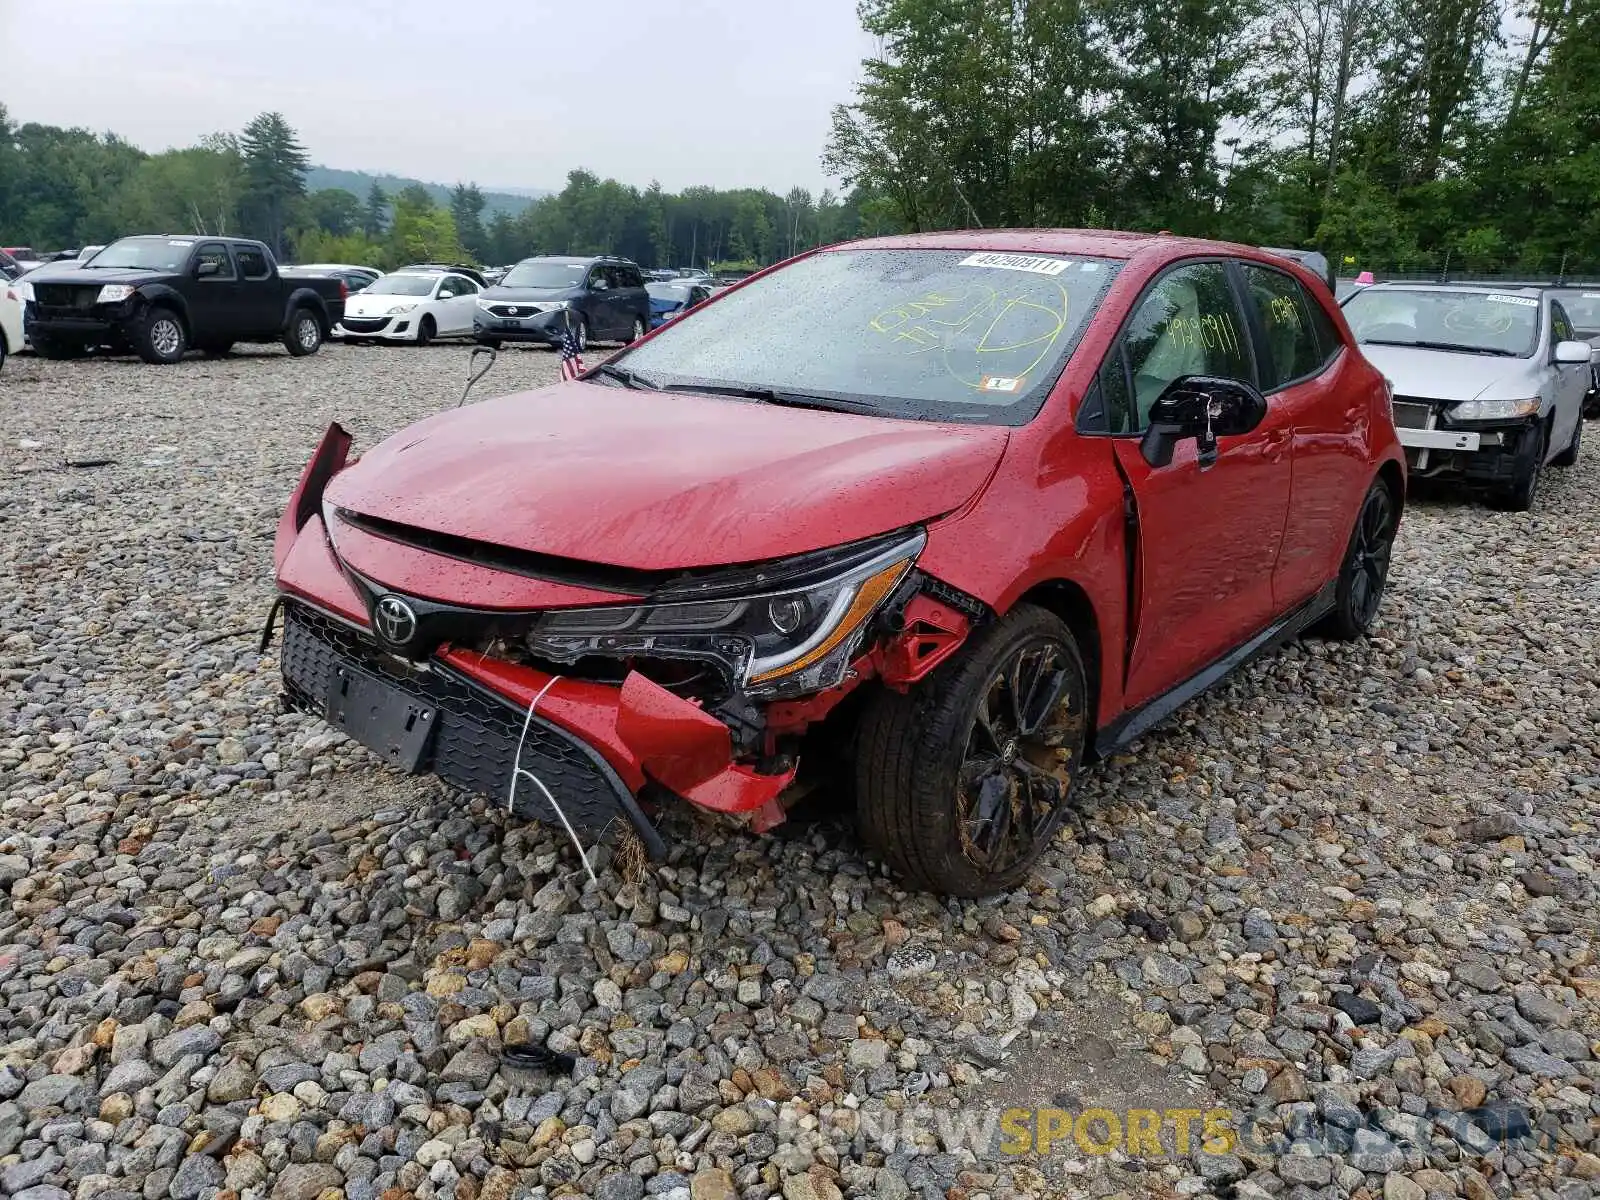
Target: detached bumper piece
[(431, 719)]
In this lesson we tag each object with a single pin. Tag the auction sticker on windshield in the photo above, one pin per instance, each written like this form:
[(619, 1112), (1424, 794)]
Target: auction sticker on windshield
[(1526, 301), (1016, 262)]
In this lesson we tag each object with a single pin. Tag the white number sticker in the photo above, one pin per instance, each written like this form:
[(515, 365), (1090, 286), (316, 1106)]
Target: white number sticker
[(1525, 301), (1000, 383), (1016, 262)]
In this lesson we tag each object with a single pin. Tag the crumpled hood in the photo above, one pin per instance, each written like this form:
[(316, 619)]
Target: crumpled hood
[(1452, 376), (664, 481), (69, 275)]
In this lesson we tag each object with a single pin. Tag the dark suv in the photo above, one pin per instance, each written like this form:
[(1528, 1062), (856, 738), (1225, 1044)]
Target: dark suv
[(540, 298)]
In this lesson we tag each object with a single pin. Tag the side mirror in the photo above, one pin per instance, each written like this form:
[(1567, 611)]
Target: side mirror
[(1573, 352), (1203, 407), (207, 268)]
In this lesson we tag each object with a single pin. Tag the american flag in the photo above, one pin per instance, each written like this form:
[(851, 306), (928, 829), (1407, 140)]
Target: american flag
[(571, 359)]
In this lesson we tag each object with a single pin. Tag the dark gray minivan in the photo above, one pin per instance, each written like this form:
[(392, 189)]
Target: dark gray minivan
[(599, 297)]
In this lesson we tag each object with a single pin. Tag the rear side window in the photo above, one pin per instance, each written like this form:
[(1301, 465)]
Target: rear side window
[(1329, 343), (1187, 324), (252, 263), (629, 276), (1292, 350)]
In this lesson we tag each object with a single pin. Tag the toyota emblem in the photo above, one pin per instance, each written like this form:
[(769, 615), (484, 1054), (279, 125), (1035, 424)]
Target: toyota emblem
[(395, 621)]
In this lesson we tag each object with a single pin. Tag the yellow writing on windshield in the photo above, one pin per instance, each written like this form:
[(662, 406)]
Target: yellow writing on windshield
[(980, 332)]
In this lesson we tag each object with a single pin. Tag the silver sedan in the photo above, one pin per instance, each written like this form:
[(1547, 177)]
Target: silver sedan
[(1488, 383)]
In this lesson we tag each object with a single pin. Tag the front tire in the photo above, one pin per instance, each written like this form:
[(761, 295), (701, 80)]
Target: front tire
[(160, 337), (1365, 570), (1569, 456), (1518, 496), (425, 331), (638, 331), (961, 784), (303, 335)]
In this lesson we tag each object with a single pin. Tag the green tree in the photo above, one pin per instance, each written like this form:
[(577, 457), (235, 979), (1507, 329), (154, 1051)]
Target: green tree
[(335, 210), (275, 166), (422, 231), (466, 209), (375, 213)]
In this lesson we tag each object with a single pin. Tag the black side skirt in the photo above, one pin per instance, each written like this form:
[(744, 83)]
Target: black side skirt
[(1133, 725)]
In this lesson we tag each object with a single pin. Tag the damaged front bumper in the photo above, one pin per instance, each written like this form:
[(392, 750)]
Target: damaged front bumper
[(570, 714)]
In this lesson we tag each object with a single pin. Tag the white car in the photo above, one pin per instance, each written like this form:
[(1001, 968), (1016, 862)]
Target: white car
[(411, 306), (10, 319)]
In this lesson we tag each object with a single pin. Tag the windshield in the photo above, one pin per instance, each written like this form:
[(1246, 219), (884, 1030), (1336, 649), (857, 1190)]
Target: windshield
[(145, 253), (403, 285), (546, 274), (1583, 309), (1473, 322), (937, 335), (668, 291)]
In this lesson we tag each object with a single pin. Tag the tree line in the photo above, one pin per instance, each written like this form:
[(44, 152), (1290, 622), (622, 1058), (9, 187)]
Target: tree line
[(1400, 134), (62, 188), (1393, 134)]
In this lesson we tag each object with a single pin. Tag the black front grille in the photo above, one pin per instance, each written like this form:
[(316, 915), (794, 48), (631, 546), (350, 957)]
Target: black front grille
[(474, 745), (65, 295), (364, 324), (514, 310), (1411, 414)]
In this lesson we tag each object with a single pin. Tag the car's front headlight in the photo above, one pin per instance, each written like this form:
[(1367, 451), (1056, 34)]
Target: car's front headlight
[(25, 290), (115, 293), (1494, 410), (396, 309), (778, 639)]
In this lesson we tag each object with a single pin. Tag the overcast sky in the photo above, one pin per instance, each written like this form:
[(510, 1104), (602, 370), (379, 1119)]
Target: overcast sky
[(730, 93)]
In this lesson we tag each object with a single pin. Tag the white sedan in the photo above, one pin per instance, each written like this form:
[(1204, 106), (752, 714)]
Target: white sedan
[(10, 319), (411, 306)]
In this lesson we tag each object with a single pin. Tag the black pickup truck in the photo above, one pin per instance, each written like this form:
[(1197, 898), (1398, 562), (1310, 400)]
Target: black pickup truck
[(160, 296)]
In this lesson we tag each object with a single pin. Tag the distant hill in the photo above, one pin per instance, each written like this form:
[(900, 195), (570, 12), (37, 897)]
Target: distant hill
[(510, 201)]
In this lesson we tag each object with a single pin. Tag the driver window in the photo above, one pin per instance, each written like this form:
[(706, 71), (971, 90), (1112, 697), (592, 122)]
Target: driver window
[(1560, 326), (1188, 324), (215, 252)]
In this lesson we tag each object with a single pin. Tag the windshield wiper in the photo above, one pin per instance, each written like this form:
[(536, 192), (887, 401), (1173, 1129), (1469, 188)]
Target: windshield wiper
[(1456, 346), (775, 396), (626, 377)]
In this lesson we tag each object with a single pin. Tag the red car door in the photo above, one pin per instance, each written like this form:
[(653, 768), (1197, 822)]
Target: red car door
[(1208, 533), (1307, 378)]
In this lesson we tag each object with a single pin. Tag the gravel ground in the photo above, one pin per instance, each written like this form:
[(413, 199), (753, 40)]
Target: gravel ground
[(1350, 895)]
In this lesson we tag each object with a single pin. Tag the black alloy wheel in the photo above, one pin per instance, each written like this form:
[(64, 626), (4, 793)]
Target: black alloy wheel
[(1365, 573), (1014, 776), (961, 784)]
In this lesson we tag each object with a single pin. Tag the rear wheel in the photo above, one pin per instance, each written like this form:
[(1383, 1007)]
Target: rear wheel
[(160, 336), (1366, 567), (425, 331), (961, 784), (303, 335)]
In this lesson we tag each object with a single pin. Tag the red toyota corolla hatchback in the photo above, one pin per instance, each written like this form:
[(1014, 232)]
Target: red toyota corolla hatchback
[(957, 511)]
